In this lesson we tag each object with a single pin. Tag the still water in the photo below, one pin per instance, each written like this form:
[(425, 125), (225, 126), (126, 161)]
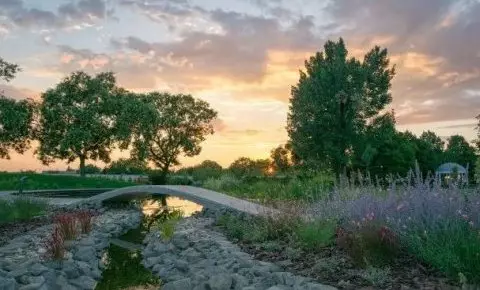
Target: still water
[(124, 270)]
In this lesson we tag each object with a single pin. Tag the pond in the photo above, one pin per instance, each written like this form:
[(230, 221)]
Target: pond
[(124, 270)]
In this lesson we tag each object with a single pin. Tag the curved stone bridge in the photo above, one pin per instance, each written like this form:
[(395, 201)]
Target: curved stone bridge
[(196, 194)]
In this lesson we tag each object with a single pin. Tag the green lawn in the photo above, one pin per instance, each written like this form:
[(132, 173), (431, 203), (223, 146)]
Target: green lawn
[(11, 181)]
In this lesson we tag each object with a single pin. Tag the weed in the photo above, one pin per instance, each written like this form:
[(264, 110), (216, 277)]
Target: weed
[(84, 218), (21, 209), (376, 276), (67, 225), (54, 245)]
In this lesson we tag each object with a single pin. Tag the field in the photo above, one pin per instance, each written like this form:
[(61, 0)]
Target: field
[(11, 181)]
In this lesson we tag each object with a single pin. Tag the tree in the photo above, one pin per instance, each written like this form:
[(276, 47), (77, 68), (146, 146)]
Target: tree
[(92, 169), (385, 151), (15, 117), (78, 119), (171, 126), (8, 70), (127, 166), (203, 171), (281, 158), (246, 167), (430, 152), (461, 152), (332, 101), (478, 133)]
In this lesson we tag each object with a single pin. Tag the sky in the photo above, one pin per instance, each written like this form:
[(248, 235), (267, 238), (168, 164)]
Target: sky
[(243, 56)]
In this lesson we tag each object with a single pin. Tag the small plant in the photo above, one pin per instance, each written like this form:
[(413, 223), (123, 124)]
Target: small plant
[(67, 225), (167, 229), (21, 209), (85, 220), (54, 245), (316, 235), (376, 276)]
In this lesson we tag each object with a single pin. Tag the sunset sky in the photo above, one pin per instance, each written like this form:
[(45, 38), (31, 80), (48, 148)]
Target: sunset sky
[(242, 56)]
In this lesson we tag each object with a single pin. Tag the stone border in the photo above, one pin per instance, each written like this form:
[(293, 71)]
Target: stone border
[(22, 266), (198, 258)]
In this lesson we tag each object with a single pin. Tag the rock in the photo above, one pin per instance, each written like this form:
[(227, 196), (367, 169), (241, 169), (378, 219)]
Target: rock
[(85, 254), (37, 269), (277, 288), (83, 268), (18, 272), (181, 265), (184, 284), (7, 283), (220, 282), (33, 286), (192, 255), (315, 286), (84, 282), (180, 241), (71, 270), (150, 262), (284, 278), (239, 281)]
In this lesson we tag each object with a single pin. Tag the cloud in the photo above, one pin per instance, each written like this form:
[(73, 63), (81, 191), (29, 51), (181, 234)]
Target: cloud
[(75, 14), (17, 92)]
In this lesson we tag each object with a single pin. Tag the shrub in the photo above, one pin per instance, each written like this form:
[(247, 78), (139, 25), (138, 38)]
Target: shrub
[(376, 276), (85, 220), (316, 235), (54, 245), (179, 180), (157, 178), (66, 224)]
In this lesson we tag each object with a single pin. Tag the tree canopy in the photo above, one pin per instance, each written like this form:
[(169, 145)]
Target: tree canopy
[(460, 151), (246, 167), (127, 166), (170, 126), (78, 120), (332, 102), (15, 117)]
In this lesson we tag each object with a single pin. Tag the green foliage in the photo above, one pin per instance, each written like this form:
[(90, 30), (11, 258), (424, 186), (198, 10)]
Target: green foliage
[(11, 181), (15, 125), (332, 101), (281, 158), (92, 169), (8, 70), (170, 126), (378, 277), (453, 248), (461, 152), (274, 188), (203, 171), (246, 167), (174, 179), (78, 119), (21, 209), (127, 166), (430, 153), (315, 235)]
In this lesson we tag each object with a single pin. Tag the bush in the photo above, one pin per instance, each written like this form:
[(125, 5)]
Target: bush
[(180, 180), (157, 178), (316, 235)]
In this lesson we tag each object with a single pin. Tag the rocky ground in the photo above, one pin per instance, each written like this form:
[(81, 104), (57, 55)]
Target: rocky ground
[(22, 265), (199, 258)]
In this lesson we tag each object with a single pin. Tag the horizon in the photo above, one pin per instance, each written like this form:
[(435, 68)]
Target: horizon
[(217, 51)]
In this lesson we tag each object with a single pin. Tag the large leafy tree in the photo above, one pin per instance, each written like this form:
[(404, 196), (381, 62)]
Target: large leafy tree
[(332, 101), (203, 171), (170, 126), (15, 117), (460, 151), (78, 119)]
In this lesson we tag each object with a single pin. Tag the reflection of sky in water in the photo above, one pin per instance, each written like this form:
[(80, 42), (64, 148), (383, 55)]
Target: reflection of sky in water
[(188, 208)]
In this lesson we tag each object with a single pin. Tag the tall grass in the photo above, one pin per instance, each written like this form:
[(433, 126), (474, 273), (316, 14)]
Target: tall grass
[(21, 209), (11, 181)]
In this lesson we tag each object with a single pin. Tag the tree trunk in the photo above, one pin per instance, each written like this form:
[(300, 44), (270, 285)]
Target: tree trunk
[(82, 166)]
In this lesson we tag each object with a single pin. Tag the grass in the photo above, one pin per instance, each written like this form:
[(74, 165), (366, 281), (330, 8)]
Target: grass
[(11, 181), (21, 209)]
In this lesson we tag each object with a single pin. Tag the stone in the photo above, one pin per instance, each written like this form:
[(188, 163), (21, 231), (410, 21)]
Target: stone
[(33, 286), (37, 269), (85, 254), (220, 282), (192, 255), (277, 288), (181, 265), (84, 268), (71, 270), (84, 282), (284, 278), (150, 262), (181, 241), (316, 286), (184, 284), (239, 281), (7, 283), (18, 272)]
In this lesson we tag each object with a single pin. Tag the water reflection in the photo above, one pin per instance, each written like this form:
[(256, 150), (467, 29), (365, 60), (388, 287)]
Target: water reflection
[(152, 206)]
